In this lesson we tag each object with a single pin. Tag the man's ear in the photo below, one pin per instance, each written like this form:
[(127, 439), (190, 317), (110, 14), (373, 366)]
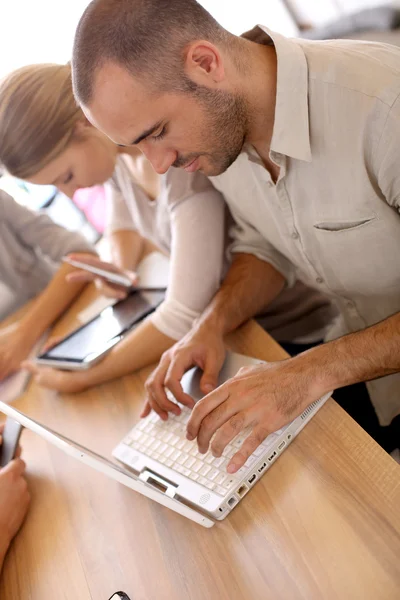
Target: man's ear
[(204, 64), (81, 127)]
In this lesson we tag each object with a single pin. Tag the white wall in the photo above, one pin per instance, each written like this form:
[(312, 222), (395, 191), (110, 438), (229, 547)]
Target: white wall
[(42, 30), (319, 12), (37, 31)]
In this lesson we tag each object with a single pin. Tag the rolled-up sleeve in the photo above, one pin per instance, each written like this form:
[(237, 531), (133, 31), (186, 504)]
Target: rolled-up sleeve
[(247, 240), (196, 264)]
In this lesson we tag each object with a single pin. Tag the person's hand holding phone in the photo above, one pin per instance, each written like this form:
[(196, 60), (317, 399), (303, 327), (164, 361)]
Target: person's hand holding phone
[(103, 282), (14, 500)]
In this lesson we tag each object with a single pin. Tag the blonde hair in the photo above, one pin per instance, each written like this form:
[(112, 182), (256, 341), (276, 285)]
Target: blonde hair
[(38, 113)]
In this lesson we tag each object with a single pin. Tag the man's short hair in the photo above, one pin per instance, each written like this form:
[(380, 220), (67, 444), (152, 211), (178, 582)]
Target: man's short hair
[(147, 37)]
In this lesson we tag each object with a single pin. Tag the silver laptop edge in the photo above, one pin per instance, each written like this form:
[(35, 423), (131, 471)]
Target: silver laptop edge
[(101, 464)]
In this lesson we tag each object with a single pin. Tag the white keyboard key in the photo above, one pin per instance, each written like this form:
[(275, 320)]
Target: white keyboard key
[(202, 480), (182, 458), (219, 462), (250, 461), (156, 455), (210, 485), (209, 458), (212, 474), (186, 471), (194, 476), (178, 468), (156, 445), (162, 448), (180, 445), (229, 482), (165, 437), (197, 466), (175, 455), (205, 469), (169, 463), (162, 459), (220, 490), (220, 478), (237, 442), (188, 445), (174, 440), (169, 451), (259, 451), (189, 462)]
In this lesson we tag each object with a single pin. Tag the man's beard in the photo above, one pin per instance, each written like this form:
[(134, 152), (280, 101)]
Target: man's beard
[(224, 126)]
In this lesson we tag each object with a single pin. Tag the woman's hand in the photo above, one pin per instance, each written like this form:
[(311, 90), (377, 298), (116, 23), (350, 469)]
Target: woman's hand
[(67, 382), (107, 288)]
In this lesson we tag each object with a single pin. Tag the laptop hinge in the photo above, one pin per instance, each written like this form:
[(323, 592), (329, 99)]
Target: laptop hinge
[(158, 482)]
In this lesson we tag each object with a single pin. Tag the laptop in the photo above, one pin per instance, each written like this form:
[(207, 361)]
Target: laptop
[(158, 452), (161, 464)]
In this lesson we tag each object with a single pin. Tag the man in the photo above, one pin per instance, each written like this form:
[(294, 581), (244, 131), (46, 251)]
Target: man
[(303, 140)]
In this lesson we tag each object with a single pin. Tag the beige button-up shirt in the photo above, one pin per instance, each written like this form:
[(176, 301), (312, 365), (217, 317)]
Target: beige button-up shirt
[(332, 218)]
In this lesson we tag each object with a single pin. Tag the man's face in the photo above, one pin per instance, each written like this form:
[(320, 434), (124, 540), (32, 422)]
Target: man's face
[(202, 129)]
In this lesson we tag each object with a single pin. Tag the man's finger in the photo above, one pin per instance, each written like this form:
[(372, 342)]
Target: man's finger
[(146, 410), (178, 367), (155, 383), (203, 408), (256, 437), (225, 422), (212, 368)]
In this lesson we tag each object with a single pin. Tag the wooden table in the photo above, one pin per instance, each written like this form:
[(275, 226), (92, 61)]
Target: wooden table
[(323, 523)]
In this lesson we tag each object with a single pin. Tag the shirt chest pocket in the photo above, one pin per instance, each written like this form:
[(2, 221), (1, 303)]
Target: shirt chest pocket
[(358, 255)]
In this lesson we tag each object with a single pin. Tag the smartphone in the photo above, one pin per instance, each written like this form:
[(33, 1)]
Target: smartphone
[(11, 434), (117, 278), (90, 343)]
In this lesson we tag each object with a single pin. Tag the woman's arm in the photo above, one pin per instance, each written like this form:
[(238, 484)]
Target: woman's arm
[(141, 347), (126, 248), (17, 340)]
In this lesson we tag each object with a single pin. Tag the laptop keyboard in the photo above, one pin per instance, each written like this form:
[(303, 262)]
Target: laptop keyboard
[(165, 442)]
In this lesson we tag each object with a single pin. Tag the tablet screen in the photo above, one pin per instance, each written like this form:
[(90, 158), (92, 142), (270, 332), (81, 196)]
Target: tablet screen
[(93, 337)]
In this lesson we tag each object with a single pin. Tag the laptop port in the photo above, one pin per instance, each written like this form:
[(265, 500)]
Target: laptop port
[(282, 445), (252, 479), (232, 501), (262, 467), (289, 437), (271, 458), (242, 490)]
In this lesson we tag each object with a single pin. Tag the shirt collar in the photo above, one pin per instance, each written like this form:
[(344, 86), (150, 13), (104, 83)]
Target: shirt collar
[(291, 133)]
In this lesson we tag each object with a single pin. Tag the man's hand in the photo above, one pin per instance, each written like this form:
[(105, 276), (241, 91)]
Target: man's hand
[(67, 382), (107, 288), (263, 398), (15, 345), (201, 347)]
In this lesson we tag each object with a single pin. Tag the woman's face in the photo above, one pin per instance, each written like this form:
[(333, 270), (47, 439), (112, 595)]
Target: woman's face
[(87, 161)]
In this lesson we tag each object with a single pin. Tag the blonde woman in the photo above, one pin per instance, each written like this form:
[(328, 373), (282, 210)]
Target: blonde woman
[(46, 139), (31, 249)]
